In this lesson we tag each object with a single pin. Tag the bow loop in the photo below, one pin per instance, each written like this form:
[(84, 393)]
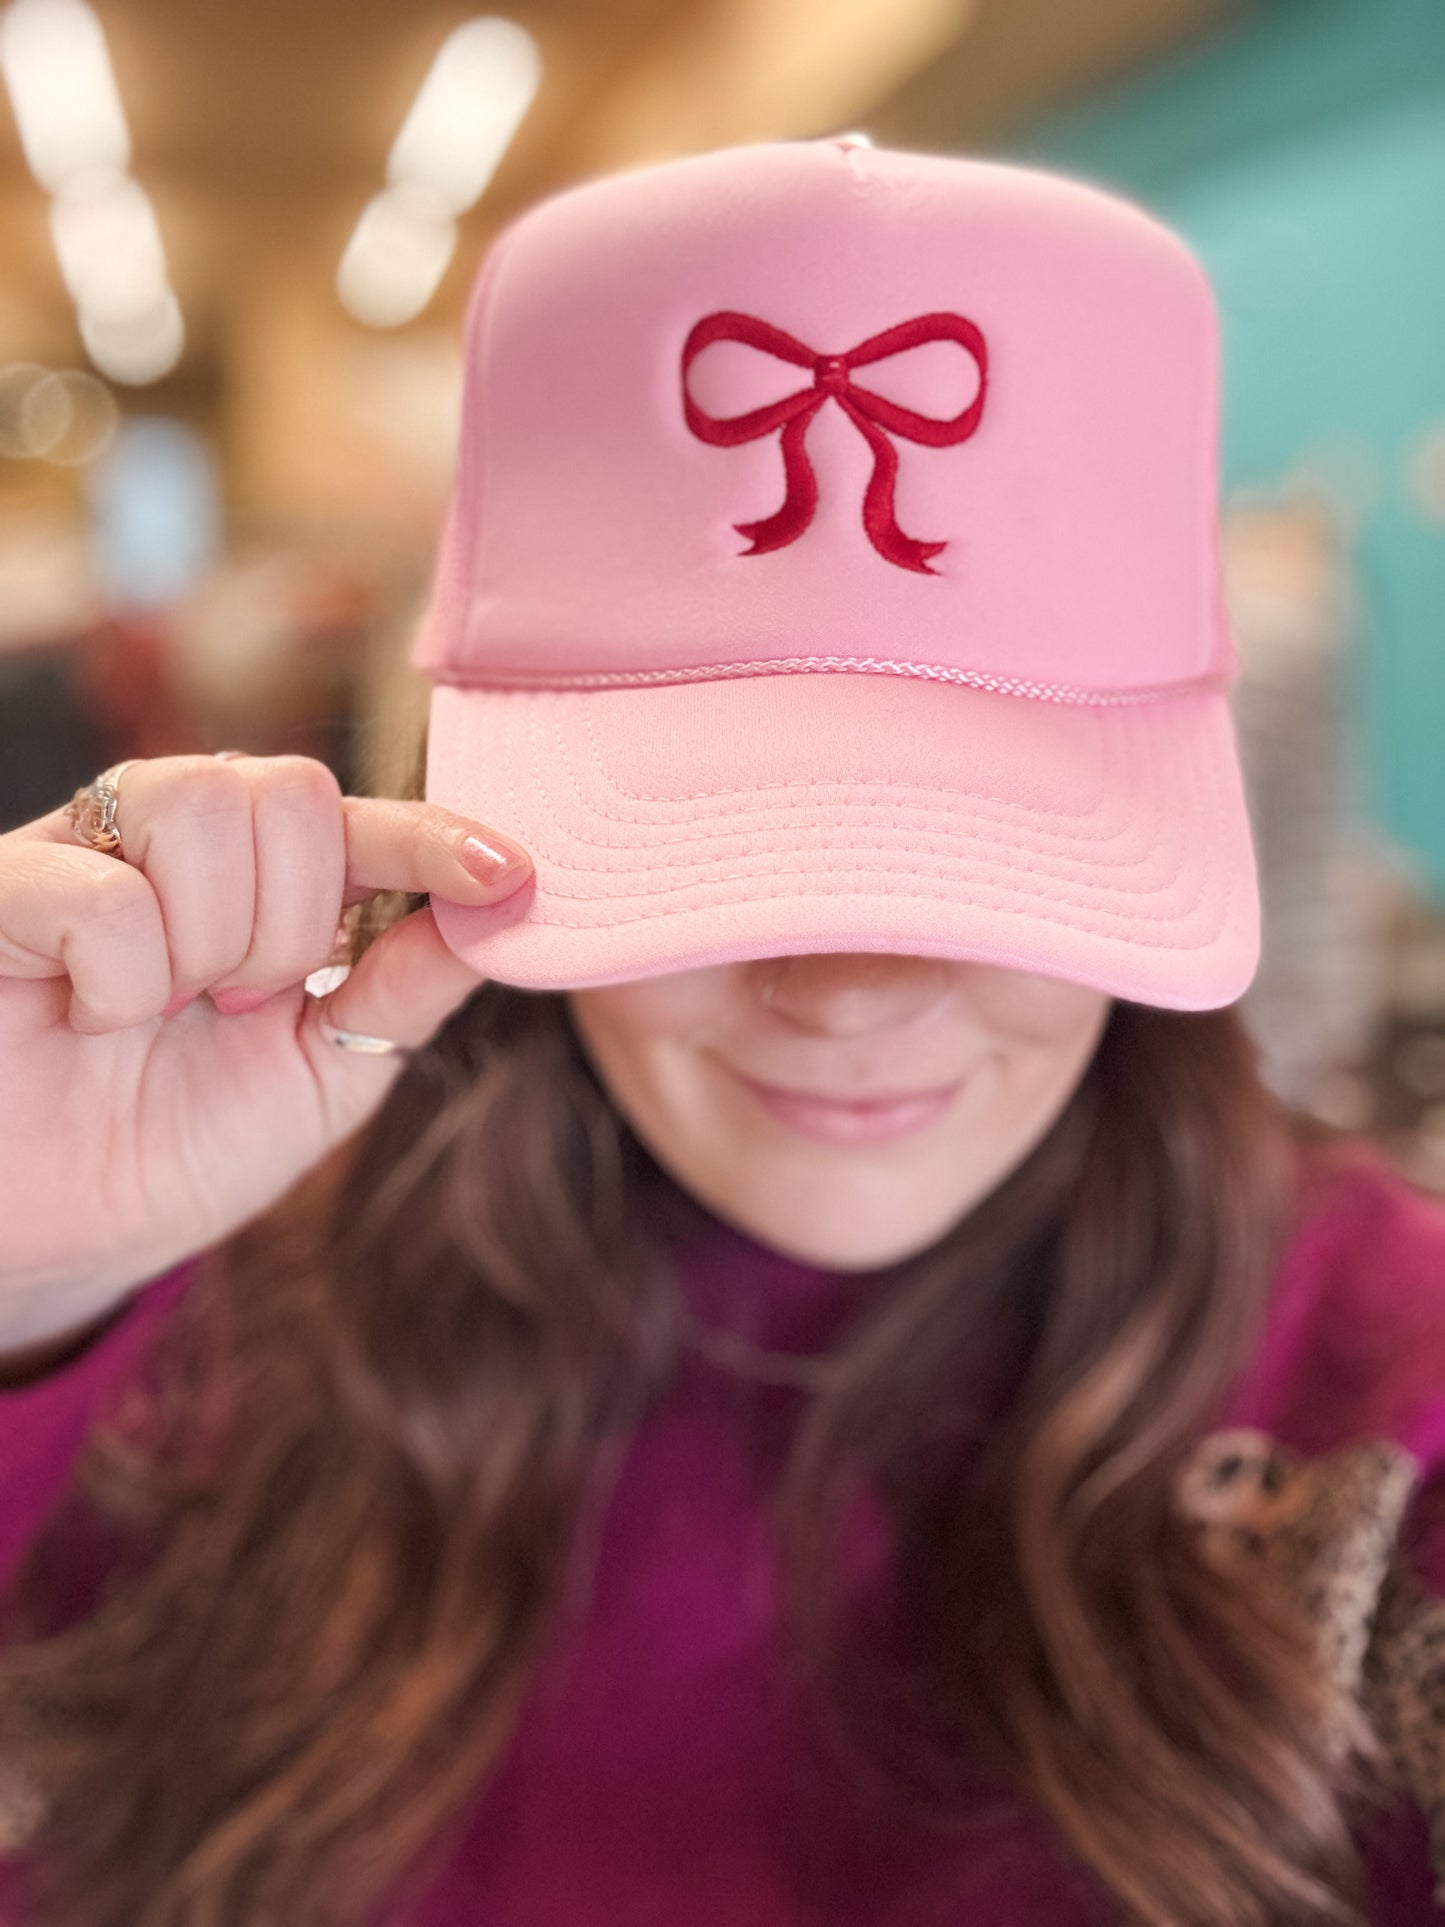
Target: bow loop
[(875, 417)]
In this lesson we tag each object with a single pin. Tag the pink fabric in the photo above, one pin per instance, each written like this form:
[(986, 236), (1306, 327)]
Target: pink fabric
[(1021, 751), (702, 824), (596, 531), (665, 1769)]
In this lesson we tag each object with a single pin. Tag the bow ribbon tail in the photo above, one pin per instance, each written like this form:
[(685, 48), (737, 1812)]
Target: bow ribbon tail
[(787, 523), (879, 519)]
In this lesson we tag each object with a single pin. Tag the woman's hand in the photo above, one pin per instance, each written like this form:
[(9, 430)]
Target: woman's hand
[(134, 1132)]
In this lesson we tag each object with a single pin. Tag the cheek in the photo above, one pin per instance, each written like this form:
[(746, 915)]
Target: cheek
[(1030, 1009), (642, 1038), (654, 1010)]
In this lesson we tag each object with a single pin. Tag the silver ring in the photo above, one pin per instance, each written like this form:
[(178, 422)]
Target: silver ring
[(358, 1040)]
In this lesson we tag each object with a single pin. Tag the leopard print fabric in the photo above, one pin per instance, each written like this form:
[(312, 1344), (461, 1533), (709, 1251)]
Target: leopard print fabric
[(1330, 1526)]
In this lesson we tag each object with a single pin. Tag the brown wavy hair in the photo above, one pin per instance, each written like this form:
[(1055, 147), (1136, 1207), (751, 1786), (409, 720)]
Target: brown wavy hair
[(339, 1502)]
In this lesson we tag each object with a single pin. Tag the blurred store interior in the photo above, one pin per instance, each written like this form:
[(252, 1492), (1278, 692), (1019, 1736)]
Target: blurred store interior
[(237, 241)]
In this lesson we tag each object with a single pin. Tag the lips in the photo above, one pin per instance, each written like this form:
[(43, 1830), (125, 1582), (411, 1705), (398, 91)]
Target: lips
[(868, 1102), (869, 1120)]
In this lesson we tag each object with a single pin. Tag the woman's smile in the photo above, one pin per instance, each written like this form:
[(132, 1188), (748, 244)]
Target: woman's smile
[(852, 1120), (947, 1072)]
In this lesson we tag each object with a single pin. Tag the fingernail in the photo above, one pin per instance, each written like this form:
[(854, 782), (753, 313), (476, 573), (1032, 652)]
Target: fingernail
[(491, 862), (179, 1002), (231, 1003)]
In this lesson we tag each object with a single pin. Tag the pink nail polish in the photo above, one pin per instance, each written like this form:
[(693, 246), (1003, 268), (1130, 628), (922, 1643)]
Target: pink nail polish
[(233, 1003), (493, 862)]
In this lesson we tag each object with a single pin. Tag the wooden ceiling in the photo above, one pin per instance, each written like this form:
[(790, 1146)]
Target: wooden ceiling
[(261, 127)]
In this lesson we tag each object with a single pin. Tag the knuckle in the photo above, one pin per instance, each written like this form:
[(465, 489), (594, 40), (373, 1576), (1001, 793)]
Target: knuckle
[(302, 779), (212, 788), (190, 764), (172, 789)]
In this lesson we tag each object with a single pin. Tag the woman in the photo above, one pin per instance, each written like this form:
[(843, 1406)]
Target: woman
[(775, 1360)]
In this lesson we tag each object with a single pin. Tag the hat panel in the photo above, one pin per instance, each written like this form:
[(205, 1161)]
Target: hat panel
[(1077, 517)]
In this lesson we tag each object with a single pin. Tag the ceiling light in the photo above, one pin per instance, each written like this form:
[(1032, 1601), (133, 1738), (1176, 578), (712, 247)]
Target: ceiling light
[(396, 256), (135, 348), (466, 111), (108, 244), (62, 88)]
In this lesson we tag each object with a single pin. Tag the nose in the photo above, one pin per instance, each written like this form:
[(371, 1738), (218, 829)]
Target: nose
[(851, 993)]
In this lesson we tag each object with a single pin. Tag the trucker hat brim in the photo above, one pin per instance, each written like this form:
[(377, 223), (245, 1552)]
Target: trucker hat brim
[(677, 825)]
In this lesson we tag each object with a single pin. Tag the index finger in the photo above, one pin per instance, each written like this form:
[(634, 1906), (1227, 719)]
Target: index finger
[(392, 843), (400, 843)]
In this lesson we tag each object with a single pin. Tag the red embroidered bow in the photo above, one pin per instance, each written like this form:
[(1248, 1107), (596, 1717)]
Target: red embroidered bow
[(871, 414)]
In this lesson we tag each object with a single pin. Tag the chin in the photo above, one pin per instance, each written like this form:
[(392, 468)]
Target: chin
[(834, 1239)]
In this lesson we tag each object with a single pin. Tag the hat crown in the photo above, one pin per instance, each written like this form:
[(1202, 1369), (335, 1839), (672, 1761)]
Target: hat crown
[(817, 404)]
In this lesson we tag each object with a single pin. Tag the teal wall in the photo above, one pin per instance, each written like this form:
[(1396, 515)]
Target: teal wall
[(1302, 154)]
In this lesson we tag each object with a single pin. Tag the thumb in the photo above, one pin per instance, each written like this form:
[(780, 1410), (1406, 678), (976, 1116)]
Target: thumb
[(406, 985)]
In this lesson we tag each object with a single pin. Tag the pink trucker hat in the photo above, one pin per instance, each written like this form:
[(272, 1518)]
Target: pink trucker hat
[(832, 565)]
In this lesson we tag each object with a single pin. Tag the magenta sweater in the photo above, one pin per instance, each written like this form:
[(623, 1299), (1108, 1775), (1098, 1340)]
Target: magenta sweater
[(665, 1769)]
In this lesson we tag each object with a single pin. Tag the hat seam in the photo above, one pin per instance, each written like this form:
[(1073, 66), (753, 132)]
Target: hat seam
[(1072, 695)]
